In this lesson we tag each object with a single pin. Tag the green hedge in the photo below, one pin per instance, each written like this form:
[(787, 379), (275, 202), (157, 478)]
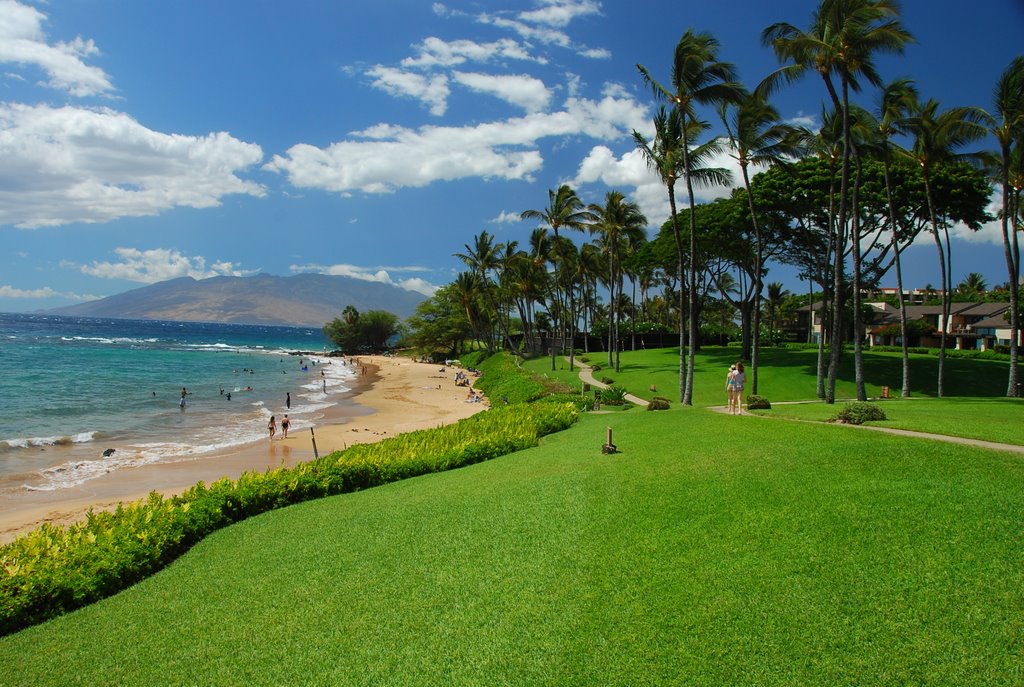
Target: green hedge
[(54, 569)]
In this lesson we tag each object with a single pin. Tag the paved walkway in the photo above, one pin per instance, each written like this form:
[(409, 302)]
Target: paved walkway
[(587, 375)]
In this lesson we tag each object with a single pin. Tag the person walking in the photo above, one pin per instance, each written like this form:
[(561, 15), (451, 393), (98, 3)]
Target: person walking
[(729, 396), (272, 427), (284, 427), (738, 379), (288, 400)]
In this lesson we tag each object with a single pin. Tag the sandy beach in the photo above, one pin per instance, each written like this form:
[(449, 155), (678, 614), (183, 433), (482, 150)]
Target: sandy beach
[(391, 395)]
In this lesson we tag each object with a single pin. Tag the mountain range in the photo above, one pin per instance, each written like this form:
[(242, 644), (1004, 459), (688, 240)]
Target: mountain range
[(300, 300)]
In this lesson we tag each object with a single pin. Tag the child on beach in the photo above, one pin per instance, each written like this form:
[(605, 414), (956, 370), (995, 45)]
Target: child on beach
[(272, 427)]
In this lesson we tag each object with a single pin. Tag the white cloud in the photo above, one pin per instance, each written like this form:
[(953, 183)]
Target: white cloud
[(69, 164), (505, 217), (560, 12), (543, 34), (433, 90), (158, 264), (381, 275), (435, 52), (386, 157), (45, 292), (631, 170), (521, 90), (23, 42), (596, 53)]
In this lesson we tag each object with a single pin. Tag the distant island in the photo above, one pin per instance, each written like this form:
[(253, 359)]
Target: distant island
[(302, 300)]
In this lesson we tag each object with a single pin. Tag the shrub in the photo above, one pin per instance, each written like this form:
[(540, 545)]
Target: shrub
[(658, 403), (607, 380), (858, 412), (758, 403), (613, 396)]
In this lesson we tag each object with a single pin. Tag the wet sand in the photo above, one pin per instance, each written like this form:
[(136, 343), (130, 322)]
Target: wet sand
[(392, 395)]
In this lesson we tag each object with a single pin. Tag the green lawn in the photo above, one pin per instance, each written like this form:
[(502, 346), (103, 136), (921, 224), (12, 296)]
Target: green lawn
[(790, 375), (713, 550), (989, 419)]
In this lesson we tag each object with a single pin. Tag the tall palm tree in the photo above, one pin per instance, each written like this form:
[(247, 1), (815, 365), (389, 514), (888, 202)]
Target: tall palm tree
[(698, 78), (1007, 126), (895, 103), (483, 257), (664, 156), (757, 137), (620, 225), (936, 138), (468, 290), (842, 40), (565, 210)]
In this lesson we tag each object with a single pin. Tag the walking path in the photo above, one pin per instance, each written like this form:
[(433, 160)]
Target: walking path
[(587, 375)]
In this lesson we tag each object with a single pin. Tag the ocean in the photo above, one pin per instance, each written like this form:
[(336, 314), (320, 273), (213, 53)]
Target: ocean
[(72, 388)]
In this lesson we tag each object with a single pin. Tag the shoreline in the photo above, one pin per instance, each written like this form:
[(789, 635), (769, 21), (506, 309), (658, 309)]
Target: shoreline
[(389, 396)]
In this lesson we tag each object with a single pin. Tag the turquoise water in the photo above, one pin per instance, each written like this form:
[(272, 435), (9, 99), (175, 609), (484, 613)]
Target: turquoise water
[(74, 387)]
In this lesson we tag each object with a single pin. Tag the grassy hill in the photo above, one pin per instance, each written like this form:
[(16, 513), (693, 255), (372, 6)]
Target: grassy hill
[(713, 550)]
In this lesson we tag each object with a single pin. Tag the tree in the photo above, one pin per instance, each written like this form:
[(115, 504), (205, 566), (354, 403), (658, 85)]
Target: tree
[(440, 324), (698, 78), (776, 296), (758, 138), (620, 226), (936, 138), (564, 211), (369, 331), (483, 257), (842, 40), (1007, 126), (897, 98), (973, 285)]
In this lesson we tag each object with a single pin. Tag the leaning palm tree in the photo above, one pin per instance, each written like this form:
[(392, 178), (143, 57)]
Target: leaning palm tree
[(843, 38), (564, 211), (896, 100), (698, 78), (1007, 126), (936, 138), (757, 137), (620, 225)]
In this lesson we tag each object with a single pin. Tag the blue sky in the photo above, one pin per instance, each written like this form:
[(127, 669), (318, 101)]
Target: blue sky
[(141, 141)]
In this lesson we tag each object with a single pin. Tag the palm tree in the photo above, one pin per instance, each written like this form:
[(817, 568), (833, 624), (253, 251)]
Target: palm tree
[(776, 296), (698, 78), (936, 136), (620, 225), (1007, 126), (350, 315), (664, 157), (842, 40), (468, 289), (483, 257), (758, 138), (897, 98), (974, 284), (564, 211)]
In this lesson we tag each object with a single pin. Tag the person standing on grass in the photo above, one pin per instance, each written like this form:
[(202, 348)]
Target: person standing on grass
[(738, 379)]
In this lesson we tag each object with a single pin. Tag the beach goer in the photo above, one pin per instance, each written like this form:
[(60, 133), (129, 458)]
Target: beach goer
[(325, 386), (272, 427), (288, 400), (737, 387), (284, 427), (184, 393)]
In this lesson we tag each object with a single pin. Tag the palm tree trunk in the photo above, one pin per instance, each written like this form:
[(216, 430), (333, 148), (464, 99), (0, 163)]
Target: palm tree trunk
[(943, 323), (836, 343), (679, 280), (858, 322), (1012, 254), (758, 259), (905, 391)]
